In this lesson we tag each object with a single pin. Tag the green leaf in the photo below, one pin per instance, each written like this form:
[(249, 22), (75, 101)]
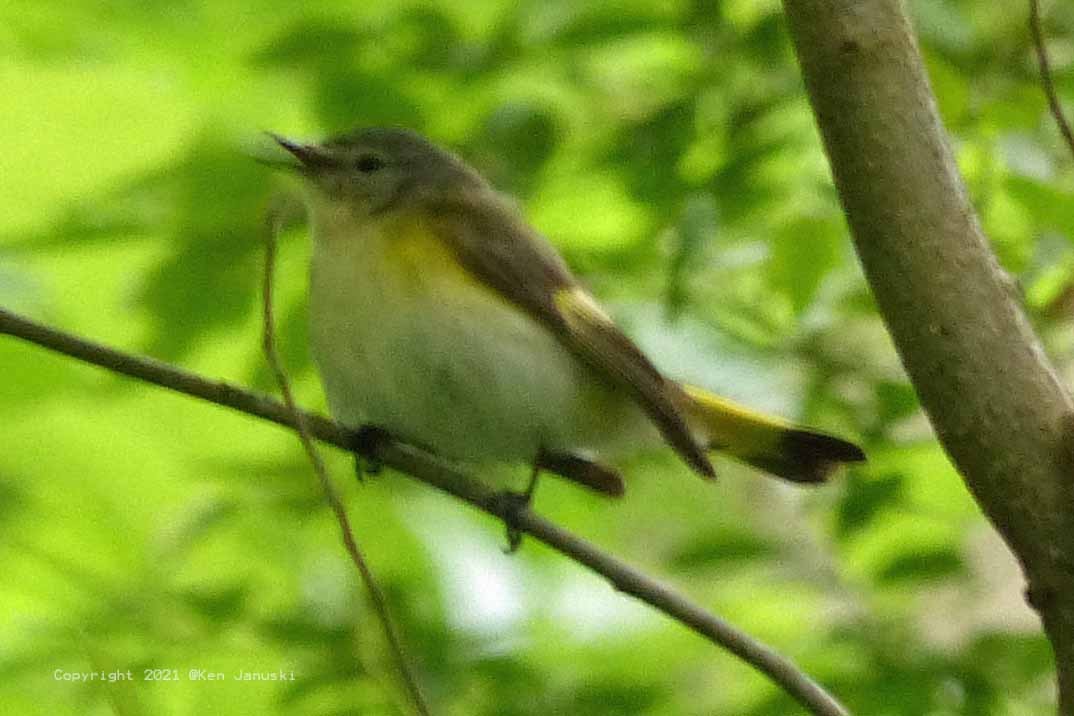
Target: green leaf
[(697, 227), (923, 566), (803, 252), (720, 548), (863, 499)]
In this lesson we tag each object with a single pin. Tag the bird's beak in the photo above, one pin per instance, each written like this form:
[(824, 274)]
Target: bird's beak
[(308, 156)]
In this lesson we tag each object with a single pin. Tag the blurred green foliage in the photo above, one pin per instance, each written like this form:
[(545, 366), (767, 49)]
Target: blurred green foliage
[(668, 150)]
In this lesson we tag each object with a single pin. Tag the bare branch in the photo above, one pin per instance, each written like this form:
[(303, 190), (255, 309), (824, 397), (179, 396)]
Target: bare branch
[(376, 595), (1046, 83), (433, 471)]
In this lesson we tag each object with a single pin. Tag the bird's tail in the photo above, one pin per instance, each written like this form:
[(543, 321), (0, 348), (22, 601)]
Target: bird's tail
[(770, 444)]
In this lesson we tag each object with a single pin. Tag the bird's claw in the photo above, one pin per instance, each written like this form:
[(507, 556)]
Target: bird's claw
[(364, 443), (512, 504)]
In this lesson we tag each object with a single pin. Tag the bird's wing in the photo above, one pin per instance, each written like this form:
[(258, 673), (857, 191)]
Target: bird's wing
[(494, 243)]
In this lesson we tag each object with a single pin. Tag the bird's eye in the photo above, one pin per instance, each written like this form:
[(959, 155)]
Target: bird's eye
[(368, 163)]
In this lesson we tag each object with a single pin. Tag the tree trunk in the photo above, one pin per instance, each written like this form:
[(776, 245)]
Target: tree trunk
[(995, 402)]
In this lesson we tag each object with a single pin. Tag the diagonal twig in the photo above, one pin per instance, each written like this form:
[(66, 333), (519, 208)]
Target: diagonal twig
[(376, 595), (423, 467), (1046, 82)]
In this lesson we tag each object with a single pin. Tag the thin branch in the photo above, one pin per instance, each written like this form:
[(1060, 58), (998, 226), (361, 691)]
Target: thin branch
[(1046, 74), (376, 595), (433, 471)]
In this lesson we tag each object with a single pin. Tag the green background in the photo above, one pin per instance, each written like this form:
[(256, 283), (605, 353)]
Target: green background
[(668, 150)]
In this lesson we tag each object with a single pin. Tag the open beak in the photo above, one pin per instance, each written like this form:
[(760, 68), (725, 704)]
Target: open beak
[(309, 156)]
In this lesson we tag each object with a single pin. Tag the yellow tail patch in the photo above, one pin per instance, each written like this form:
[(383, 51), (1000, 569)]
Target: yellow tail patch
[(768, 443)]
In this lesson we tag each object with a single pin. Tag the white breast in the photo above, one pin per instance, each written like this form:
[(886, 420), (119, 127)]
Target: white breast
[(404, 344)]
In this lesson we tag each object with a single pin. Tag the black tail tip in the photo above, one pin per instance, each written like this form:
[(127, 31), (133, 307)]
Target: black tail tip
[(808, 457)]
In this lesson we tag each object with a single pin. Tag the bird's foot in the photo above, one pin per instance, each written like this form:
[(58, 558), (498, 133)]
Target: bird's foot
[(514, 503), (364, 443)]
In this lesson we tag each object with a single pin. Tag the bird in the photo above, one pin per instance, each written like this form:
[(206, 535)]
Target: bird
[(440, 317)]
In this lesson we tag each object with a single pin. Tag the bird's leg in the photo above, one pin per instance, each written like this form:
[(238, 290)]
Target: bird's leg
[(364, 443), (515, 502), (531, 486)]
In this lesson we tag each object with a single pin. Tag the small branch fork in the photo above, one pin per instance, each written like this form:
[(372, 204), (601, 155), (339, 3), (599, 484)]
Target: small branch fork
[(426, 468)]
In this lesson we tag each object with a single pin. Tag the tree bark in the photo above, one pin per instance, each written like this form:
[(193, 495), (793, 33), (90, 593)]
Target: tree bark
[(995, 402)]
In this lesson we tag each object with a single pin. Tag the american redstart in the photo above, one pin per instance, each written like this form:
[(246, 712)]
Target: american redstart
[(439, 315)]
